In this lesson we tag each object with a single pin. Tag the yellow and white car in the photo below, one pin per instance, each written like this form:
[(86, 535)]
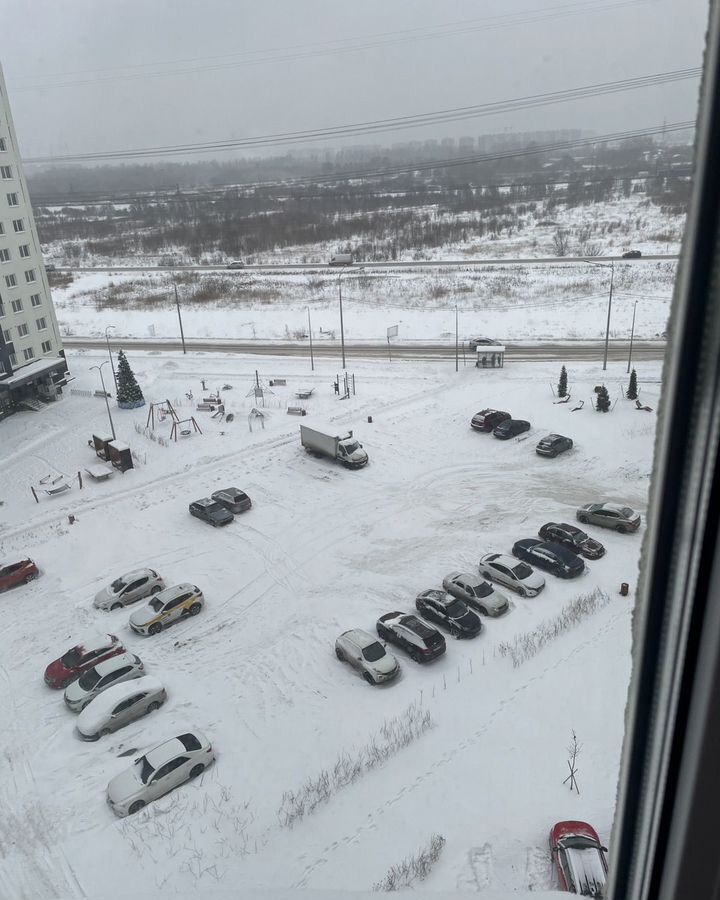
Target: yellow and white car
[(170, 605)]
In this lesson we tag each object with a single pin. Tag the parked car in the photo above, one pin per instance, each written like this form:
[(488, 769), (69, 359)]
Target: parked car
[(211, 511), (579, 858), (125, 667), (232, 498), (366, 654), (88, 652), (609, 515), (21, 572), (513, 574), (170, 605), (158, 771), (573, 538), (120, 705), (632, 254), (449, 612), (474, 343), (510, 428), (551, 557), (487, 419), (553, 445), (235, 264), (129, 589), (421, 641), (341, 259), (476, 592)]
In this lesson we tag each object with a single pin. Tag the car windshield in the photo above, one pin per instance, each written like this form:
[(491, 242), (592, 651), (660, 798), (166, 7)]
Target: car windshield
[(70, 659), (156, 604), (627, 512), (214, 507), (144, 770), (456, 609), (89, 680), (522, 571), (351, 447), (117, 585), (579, 537), (482, 590), (374, 652)]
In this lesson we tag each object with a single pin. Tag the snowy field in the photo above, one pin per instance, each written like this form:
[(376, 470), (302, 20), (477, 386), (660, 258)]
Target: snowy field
[(323, 549)]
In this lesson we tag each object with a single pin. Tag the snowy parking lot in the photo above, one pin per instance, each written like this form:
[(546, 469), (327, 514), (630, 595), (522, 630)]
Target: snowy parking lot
[(322, 550)]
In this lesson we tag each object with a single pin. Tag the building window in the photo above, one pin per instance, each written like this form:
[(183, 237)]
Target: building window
[(19, 225), (4, 254), (2, 309), (41, 323), (12, 200), (3, 145), (35, 299), (2, 368), (28, 353), (2, 228), (24, 251), (46, 346), (30, 276), (6, 172), (23, 330), (17, 306), (7, 336), (11, 281)]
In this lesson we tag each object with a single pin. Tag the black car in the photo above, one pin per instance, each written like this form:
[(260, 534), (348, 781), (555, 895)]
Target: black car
[(451, 613), (572, 538), (211, 511), (632, 254), (233, 498), (553, 444), (487, 419), (511, 428), (420, 640), (551, 557)]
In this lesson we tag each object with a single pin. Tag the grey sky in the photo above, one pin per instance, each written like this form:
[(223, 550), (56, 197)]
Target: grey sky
[(600, 40)]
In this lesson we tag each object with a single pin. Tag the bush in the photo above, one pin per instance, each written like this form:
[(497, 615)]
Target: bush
[(413, 868)]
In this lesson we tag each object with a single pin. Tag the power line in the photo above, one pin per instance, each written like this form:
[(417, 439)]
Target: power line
[(339, 46), (378, 126)]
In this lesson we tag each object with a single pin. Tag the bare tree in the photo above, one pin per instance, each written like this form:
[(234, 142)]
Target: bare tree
[(561, 243), (573, 752)]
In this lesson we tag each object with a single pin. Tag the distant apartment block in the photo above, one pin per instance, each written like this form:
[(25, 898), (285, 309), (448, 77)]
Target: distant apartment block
[(32, 360)]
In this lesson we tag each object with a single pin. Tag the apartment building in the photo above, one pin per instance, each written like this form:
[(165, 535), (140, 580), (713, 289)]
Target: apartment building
[(32, 360)]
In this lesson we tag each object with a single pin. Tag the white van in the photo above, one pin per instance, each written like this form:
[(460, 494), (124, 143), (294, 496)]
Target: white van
[(341, 259)]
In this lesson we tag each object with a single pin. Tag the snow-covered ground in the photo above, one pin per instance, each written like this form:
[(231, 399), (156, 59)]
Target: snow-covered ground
[(323, 549)]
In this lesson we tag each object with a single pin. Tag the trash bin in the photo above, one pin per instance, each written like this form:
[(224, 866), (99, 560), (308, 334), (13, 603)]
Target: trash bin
[(369, 418), (624, 588)]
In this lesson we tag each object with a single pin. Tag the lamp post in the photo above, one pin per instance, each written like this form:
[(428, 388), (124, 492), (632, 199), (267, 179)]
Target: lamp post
[(112, 364), (312, 360), (607, 325), (632, 336), (177, 303), (342, 328), (102, 381)]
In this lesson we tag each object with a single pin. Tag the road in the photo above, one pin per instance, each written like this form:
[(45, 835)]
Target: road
[(444, 263), (552, 350)]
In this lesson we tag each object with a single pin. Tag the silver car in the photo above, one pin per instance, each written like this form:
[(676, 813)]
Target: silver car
[(368, 655), (129, 589), (476, 592), (158, 771), (233, 498), (124, 667), (171, 605), (119, 705), (511, 573), (609, 515)]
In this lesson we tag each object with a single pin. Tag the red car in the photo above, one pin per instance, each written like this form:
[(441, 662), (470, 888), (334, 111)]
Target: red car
[(17, 573), (83, 656), (579, 858)]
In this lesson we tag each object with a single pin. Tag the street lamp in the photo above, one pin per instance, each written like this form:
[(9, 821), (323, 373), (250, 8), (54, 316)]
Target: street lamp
[(112, 364), (607, 326), (632, 336), (102, 381), (342, 329)]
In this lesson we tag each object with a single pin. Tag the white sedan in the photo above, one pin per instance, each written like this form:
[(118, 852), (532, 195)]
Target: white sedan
[(508, 571), (158, 771), (113, 671)]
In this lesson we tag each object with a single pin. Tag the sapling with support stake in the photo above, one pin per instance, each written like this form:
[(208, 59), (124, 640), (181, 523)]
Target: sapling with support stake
[(574, 750)]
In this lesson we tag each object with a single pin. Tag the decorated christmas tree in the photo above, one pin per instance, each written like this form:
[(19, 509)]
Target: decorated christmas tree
[(128, 393)]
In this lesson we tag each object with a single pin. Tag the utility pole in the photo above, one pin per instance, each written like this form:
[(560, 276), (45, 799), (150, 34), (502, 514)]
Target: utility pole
[(457, 344), (102, 382), (607, 326), (312, 361), (632, 335), (112, 364), (342, 329), (177, 303)]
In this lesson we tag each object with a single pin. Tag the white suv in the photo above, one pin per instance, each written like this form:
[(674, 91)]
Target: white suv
[(368, 655)]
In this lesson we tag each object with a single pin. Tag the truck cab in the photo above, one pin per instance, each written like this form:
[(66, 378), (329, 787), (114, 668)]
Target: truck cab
[(350, 451)]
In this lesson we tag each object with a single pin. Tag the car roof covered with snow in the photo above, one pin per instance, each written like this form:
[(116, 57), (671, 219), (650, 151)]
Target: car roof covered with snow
[(97, 711)]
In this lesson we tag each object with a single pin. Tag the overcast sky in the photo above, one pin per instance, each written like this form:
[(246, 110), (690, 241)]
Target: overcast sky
[(164, 72)]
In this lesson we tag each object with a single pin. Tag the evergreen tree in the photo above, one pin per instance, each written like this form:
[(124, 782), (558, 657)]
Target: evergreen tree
[(562, 384), (128, 388), (631, 392), (602, 404)]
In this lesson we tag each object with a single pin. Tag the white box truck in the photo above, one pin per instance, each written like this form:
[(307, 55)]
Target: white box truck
[(336, 445)]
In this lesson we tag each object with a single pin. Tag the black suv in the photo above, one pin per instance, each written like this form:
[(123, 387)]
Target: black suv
[(211, 511), (419, 639), (553, 444), (551, 557), (573, 538), (511, 428), (632, 254), (487, 419), (451, 613)]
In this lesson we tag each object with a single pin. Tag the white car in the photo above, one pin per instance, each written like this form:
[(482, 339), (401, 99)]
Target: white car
[(477, 593), (119, 705), (512, 573), (158, 771), (128, 589), (124, 667), (368, 655), (170, 605)]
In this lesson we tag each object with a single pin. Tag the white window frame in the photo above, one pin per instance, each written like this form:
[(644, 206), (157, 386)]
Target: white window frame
[(23, 330), (24, 251), (28, 354), (44, 325), (30, 276), (4, 254), (17, 305), (6, 173), (12, 199), (35, 300), (46, 346), (19, 226)]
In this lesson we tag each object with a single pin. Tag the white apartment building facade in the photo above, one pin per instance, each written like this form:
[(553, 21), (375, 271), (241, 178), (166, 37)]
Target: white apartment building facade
[(32, 360)]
